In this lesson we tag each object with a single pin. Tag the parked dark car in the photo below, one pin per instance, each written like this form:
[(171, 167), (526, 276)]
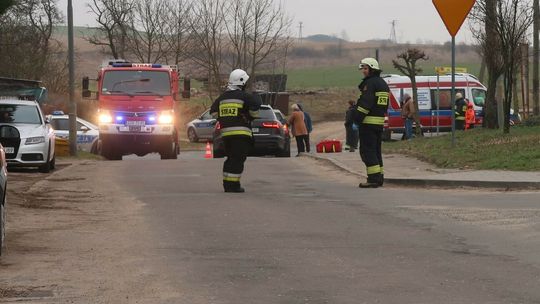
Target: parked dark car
[(270, 136), (5, 132)]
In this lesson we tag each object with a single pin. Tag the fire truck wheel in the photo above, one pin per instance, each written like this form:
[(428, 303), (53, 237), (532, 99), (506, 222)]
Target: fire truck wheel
[(110, 154), (387, 135), (169, 151)]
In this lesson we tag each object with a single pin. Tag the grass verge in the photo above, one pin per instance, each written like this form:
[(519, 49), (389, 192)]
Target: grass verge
[(82, 155), (477, 149)]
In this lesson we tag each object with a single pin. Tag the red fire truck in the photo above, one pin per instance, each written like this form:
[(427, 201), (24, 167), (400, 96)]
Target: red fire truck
[(136, 109)]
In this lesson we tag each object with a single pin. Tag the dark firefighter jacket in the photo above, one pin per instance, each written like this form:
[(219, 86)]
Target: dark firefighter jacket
[(461, 109), (373, 102), (234, 111)]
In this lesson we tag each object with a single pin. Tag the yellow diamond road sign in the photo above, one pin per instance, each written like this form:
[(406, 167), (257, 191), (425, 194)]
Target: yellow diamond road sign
[(453, 13)]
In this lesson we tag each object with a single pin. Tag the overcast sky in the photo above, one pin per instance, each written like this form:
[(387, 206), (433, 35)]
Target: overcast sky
[(360, 19)]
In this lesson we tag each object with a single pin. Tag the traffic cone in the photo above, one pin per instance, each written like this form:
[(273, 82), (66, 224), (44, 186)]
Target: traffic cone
[(208, 153)]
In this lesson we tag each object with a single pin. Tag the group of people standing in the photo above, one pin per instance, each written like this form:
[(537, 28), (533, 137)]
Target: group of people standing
[(235, 109)]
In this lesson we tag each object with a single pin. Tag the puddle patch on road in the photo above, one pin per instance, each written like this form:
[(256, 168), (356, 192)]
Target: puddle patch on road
[(25, 293), (498, 218)]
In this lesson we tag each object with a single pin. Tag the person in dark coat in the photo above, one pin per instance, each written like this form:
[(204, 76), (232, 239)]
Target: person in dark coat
[(351, 129)]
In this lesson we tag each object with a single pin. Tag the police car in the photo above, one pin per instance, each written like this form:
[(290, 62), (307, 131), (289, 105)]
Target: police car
[(30, 143), (87, 132), (201, 128)]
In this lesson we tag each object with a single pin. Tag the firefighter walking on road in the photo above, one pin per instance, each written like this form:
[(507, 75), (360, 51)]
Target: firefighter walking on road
[(234, 110), (460, 110), (370, 113)]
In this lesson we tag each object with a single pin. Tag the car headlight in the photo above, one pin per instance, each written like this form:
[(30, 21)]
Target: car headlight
[(34, 140), (166, 118), (105, 117)]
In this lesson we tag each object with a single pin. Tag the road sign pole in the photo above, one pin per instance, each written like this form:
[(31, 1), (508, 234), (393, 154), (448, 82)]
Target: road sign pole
[(453, 91), (72, 103), (437, 99)]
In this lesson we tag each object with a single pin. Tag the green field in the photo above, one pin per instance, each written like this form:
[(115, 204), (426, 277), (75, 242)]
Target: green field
[(348, 76)]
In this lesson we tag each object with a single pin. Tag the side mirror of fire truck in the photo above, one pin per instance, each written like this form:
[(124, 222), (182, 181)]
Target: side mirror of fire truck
[(186, 93), (86, 93)]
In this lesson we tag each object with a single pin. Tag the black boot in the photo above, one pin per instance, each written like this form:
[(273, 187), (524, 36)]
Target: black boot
[(381, 180), (368, 185), (231, 187)]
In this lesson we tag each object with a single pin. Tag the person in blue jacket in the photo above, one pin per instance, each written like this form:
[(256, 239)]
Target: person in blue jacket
[(309, 125)]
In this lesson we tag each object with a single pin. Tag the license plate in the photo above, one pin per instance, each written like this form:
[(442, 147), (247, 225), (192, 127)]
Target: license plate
[(255, 130), (136, 123), (9, 150), (134, 128)]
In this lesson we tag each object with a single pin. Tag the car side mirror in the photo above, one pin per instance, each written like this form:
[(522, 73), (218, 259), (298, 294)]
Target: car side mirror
[(85, 129), (47, 120)]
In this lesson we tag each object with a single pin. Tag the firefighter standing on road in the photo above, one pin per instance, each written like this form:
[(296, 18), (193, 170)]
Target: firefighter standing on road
[(460, 111), (370, 113), (234, 110)]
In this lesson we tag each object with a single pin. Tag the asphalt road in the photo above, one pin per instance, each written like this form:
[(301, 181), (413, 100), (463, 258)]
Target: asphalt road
[(305, 234), (151, 231)]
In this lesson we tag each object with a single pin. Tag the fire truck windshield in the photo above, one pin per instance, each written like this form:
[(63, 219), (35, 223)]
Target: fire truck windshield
[(136, 83)]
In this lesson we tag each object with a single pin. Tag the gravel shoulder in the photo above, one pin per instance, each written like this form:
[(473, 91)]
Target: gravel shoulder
[(70, 236)]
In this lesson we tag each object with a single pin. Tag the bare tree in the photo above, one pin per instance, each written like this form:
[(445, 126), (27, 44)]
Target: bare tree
[(147, 39), (113, 18), (177, 34), (5, 5), (500, 26), (410, 69), (207, 27), (513, 21), (239, 26), (27, 47), (270, 25)]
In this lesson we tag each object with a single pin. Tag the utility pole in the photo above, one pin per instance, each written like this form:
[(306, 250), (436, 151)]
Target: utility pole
[(300, 34), (72, 103), (536, 61)]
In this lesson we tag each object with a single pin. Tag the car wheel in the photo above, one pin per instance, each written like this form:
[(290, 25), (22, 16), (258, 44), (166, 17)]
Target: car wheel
[(286, 152), (192, 135), (53, 163), (2, 225), (170, 152), (95, 147), (46, 167)]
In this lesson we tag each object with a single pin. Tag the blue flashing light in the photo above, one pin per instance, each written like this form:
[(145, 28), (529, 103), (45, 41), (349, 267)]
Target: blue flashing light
[(58, 113), (152, 118), (122, 65), (156, 66), (119, 118)]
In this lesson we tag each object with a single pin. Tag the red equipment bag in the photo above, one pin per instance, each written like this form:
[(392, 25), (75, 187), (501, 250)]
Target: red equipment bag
[(329, 146)]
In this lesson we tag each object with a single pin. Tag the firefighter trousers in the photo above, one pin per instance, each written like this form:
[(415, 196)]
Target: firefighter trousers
[(237, 149), (371, 152), (460, 124)]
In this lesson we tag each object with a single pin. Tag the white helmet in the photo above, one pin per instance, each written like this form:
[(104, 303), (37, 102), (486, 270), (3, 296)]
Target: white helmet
[(238, 78), (371, 62)]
